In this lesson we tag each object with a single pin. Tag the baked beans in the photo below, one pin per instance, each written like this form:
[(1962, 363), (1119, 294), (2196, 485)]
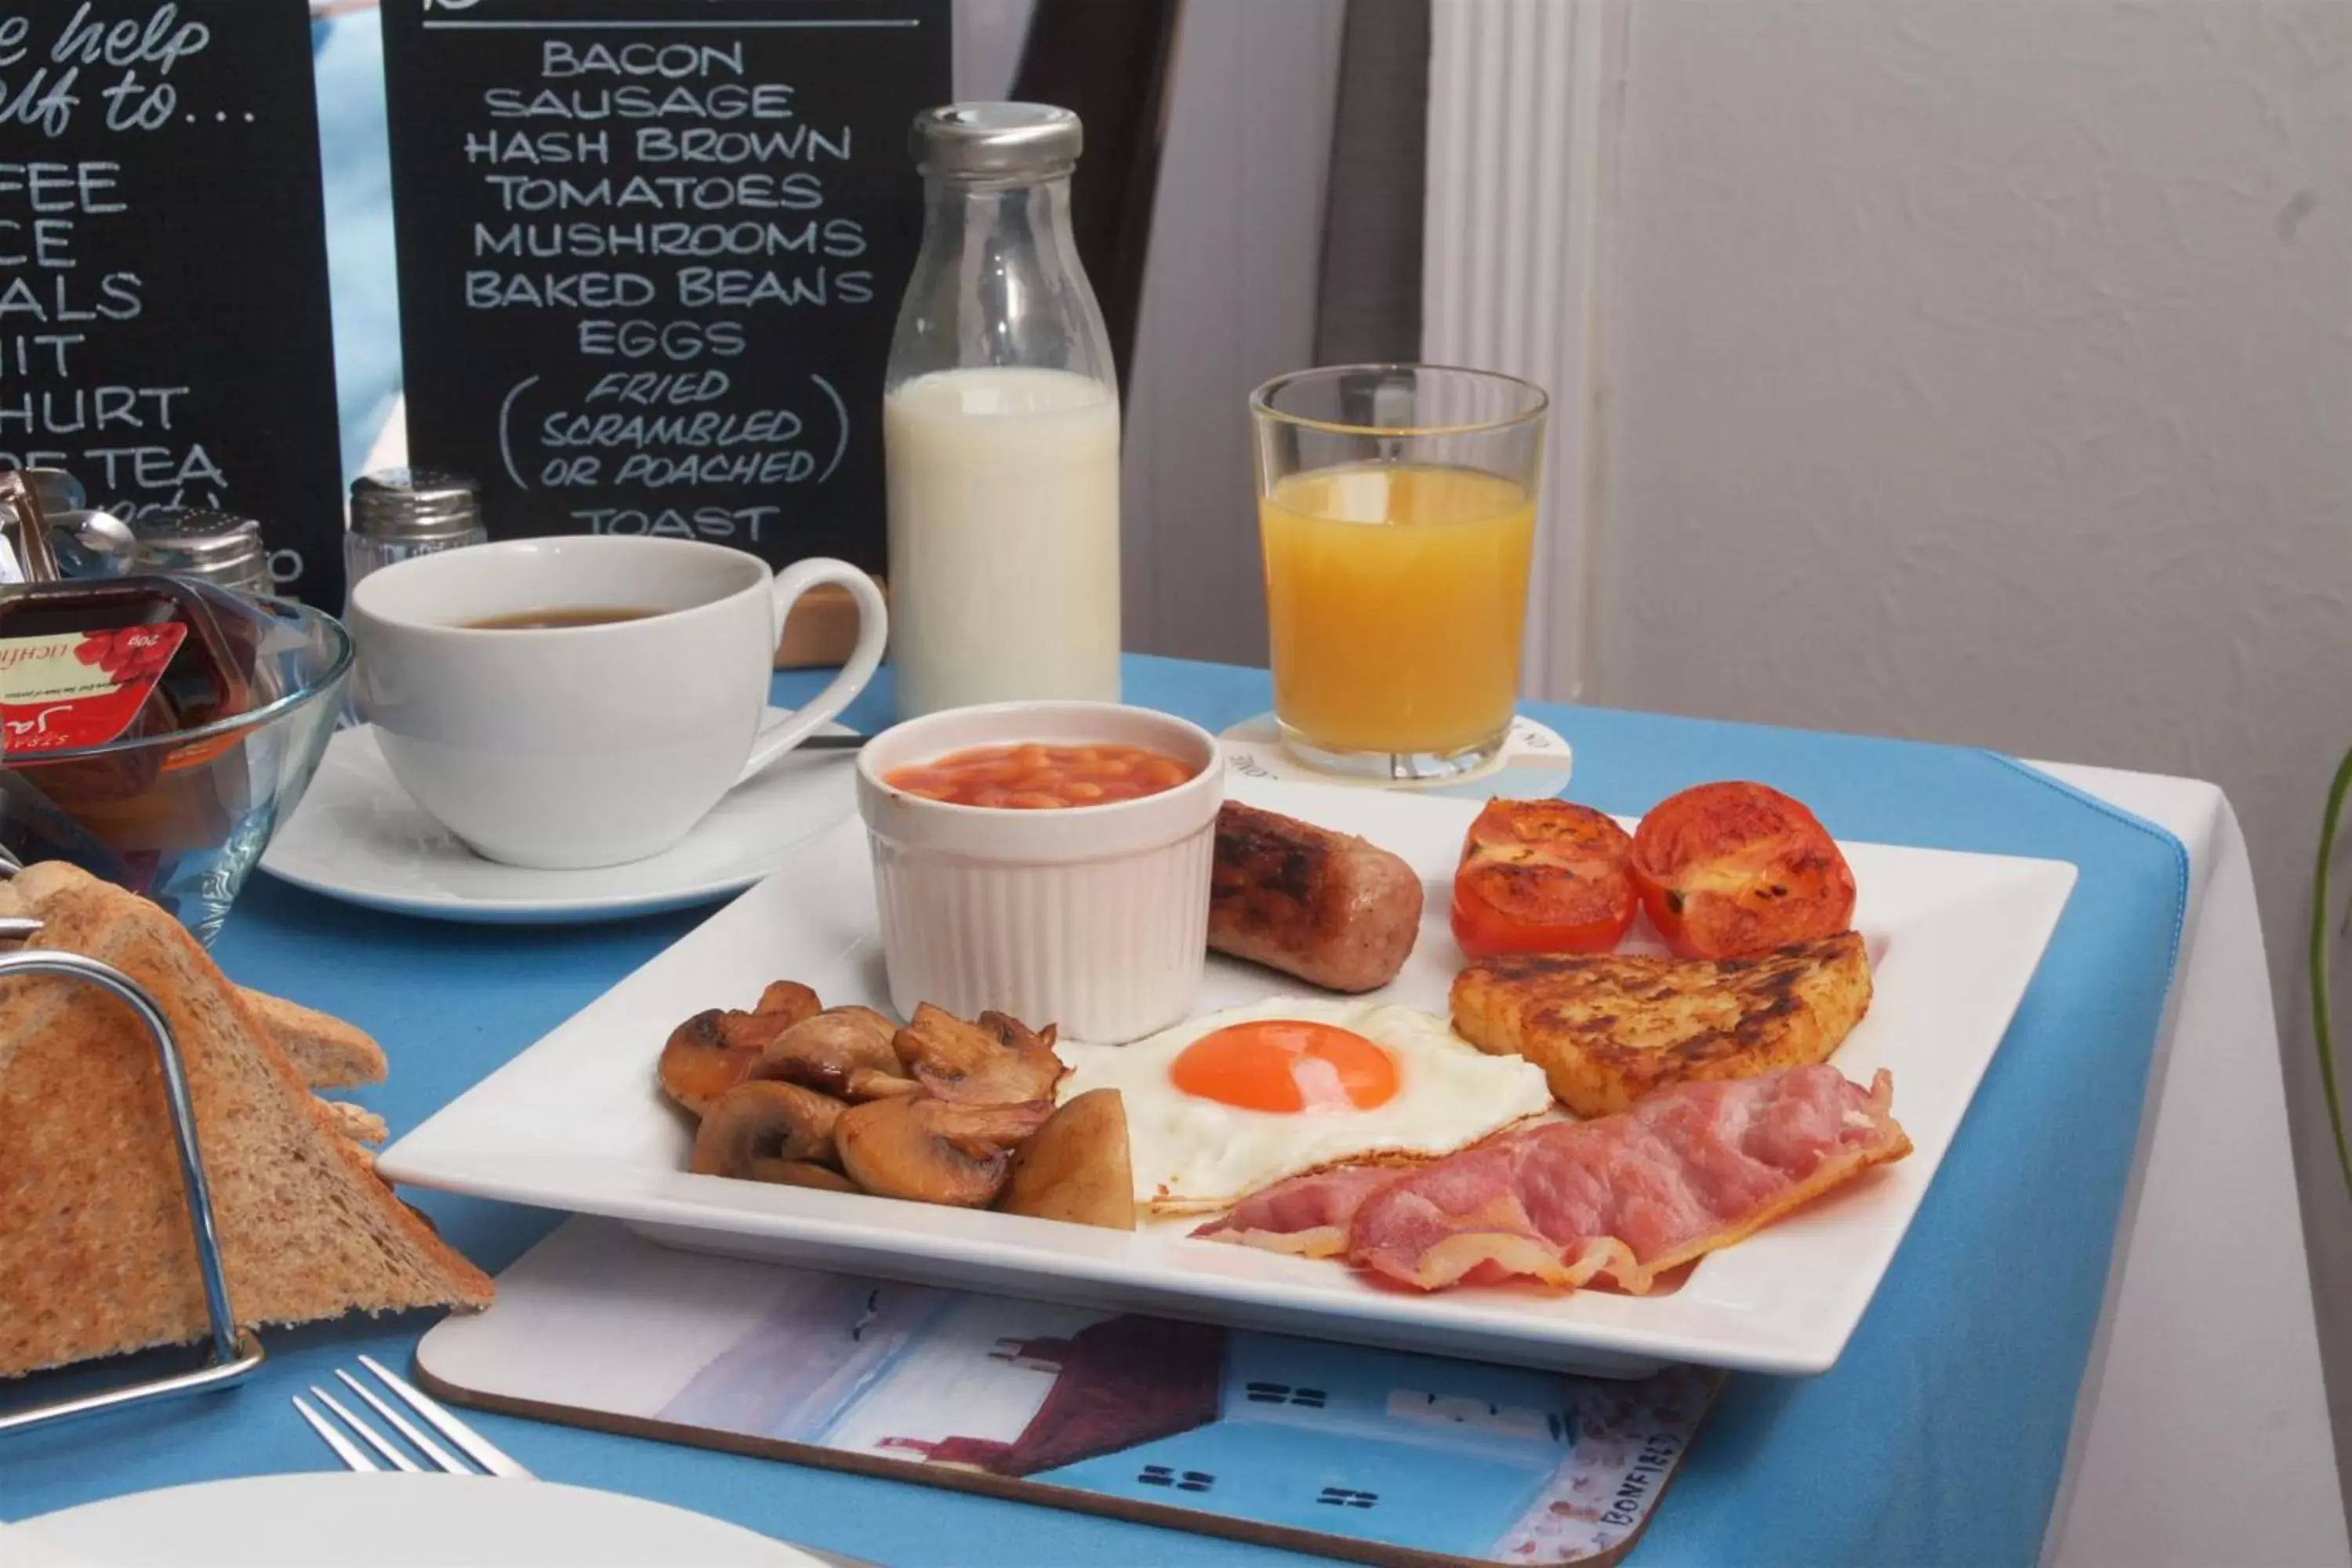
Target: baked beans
[(1039, 777)]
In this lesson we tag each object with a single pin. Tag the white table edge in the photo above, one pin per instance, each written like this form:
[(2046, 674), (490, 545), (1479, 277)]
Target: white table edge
[(2108, 1462)]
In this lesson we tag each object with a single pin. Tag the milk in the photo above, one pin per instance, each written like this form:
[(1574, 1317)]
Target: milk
[(1003, 537)]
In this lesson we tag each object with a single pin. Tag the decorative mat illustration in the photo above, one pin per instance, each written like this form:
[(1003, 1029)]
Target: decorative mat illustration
[(1380, 1456)]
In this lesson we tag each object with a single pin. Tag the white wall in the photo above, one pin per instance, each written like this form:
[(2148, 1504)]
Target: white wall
[(1981, 370), (988, 38), (1228, 301)]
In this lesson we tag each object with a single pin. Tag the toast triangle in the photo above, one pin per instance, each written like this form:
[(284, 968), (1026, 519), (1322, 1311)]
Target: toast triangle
[(327, 1052), (96, 1255)]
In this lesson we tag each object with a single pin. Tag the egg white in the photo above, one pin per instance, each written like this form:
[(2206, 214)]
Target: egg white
[(1198, 1156)]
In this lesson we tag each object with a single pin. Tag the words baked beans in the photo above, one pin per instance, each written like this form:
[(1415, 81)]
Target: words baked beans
[(1039, 777)]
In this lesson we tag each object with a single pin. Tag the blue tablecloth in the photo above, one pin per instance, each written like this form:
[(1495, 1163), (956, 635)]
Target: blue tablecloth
[(1938, 1437)]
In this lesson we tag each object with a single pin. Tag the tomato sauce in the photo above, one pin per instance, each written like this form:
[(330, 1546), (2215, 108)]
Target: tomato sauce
[(1039, 777)]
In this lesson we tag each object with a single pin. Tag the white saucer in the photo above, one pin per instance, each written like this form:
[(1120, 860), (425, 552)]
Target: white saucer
[(386, 1521), (358, 836), (1536, 762)]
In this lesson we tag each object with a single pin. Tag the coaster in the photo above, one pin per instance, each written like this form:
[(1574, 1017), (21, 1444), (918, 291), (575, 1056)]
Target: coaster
[(1534, 763), (1380, 1456)]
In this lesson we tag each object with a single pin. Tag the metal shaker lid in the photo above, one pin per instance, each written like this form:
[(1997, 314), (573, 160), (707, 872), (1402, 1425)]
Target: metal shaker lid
[(192, 542), (984, 140), (414, 504)]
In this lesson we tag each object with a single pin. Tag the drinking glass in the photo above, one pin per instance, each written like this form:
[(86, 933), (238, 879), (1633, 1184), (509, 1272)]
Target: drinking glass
[(1397, 512)]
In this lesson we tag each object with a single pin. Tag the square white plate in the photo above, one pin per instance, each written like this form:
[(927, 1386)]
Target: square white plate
[(576, 1122)]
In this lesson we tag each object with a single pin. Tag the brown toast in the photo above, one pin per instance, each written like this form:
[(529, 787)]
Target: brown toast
[(327, 1052), (357, 1123), (94, 1231), (1608, 1028)]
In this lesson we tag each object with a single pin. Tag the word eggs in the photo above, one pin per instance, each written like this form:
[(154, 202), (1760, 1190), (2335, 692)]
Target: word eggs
[(1220, 1105)]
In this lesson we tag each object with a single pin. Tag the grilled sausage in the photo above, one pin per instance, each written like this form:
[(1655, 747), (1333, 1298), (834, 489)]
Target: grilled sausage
[(1330, 908)]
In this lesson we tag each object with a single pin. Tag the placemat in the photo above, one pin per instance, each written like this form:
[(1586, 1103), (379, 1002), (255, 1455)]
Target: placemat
[(1380, 1456)]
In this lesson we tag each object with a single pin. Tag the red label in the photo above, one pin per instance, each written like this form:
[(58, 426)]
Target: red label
[(80, 688)]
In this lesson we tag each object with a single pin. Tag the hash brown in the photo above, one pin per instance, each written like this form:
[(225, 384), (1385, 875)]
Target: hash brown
[(1608, 1028)]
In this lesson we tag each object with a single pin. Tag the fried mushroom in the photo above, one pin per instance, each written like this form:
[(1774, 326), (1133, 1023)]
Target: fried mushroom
[(866, 1085), (699, 1065), (996, 1062), (831, 1051), (934, 1151), (788, 1000), (804, 1174), (716, 1048), (761, 1128)]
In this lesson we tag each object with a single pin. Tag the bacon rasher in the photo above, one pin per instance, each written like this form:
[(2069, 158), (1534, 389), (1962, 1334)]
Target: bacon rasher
[(1620, 1198)]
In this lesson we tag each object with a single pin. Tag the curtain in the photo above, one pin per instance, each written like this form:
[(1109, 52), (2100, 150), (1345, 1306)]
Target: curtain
[(1368, 304)]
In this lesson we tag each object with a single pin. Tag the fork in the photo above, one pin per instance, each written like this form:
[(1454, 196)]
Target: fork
[(484, 1452), (472, 1444)]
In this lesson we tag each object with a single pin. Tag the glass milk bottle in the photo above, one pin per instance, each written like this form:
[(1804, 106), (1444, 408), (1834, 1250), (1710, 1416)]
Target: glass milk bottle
[(1000, 417)]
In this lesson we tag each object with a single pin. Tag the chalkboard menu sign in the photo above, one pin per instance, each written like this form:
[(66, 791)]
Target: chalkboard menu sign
[(164, 325), (651, 253)]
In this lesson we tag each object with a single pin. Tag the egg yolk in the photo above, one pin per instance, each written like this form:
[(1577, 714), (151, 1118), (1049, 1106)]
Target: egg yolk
[(1286, 1065)]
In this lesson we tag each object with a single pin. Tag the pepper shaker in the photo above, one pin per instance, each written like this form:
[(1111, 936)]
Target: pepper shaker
[(399, 512)]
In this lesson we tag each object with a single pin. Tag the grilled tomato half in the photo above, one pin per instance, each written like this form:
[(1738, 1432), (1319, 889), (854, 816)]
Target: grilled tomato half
[(1542, 876), (1730, 870)]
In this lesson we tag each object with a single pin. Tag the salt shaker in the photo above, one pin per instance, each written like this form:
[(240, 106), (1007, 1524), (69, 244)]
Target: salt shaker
[(217, 547), (999, 426), (399, 512)]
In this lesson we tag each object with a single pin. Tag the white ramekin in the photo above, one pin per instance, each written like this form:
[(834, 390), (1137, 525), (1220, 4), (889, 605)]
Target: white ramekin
[(1095, 918)]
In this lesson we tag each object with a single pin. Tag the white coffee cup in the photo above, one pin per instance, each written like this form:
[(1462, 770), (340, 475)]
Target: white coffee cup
[(571, 746)]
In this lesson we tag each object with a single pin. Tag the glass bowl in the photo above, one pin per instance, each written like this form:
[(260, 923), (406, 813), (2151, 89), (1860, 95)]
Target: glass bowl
[(183, 818)]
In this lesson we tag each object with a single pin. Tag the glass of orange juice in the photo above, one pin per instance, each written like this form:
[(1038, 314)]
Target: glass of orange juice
[(1397, 509)]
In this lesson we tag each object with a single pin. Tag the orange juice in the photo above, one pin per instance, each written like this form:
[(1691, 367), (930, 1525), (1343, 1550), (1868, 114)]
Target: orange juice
[(1394, 598)]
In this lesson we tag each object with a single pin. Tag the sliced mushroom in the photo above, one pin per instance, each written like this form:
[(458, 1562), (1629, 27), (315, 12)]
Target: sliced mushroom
[(699, 1064), (826, 1051), (716, 1049), (788, 999), (757, 1129), (934, 1151), (1011, 1031), (868, 1016), (865, 1086), (801, 1173), (960, 1062)]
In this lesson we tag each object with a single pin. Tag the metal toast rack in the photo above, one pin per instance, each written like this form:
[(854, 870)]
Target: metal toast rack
[(232, 1354)]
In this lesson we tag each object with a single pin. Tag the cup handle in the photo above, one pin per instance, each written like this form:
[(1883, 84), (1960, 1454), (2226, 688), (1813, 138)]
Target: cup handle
[(873, 633)]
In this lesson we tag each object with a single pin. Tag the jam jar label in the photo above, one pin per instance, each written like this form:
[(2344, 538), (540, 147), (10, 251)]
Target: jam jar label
[(80, 688)]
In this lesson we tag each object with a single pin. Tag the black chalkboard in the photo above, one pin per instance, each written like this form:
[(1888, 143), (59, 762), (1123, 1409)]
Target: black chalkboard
[(651, 252), (164, 325)]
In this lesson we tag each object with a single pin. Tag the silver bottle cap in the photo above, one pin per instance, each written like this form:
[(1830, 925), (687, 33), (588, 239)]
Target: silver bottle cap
[(215, 546), (987, 141), (414, 505)]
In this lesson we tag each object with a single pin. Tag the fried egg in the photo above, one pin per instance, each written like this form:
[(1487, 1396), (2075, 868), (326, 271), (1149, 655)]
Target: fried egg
[(1222, 1105)]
